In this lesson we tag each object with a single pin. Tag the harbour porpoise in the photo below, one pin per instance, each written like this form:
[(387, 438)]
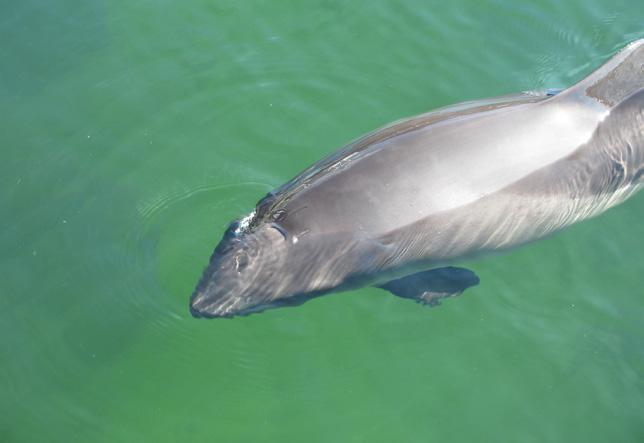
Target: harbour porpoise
[(399, 207)]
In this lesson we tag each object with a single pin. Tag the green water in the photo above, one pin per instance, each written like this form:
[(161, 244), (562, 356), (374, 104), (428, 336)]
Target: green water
[(132, 132)]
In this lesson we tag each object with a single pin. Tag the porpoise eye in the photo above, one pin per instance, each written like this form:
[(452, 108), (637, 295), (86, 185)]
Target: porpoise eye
[(279, 229), (241, 261)]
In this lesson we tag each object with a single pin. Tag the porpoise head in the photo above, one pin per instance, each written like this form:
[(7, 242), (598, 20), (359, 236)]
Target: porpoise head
[(241, 275), (259, 264)]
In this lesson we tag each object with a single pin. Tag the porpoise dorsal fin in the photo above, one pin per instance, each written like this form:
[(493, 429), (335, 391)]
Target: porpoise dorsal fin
[(615, 80)]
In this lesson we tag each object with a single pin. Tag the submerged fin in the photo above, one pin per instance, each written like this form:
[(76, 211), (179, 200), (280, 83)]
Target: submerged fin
[(429, 287)]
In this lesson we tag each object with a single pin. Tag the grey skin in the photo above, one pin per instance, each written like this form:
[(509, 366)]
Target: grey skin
[(395, 208)]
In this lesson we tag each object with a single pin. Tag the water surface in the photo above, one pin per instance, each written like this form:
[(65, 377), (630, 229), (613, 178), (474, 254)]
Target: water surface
[(134, 131)]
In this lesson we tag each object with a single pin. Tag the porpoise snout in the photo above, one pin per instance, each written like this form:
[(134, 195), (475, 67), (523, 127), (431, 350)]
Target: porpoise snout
[(225, 303), (220, 293), (242, 274), (203, 306)]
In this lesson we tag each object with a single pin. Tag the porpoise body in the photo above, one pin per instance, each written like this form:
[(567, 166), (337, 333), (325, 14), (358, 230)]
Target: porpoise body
[(399, 206)]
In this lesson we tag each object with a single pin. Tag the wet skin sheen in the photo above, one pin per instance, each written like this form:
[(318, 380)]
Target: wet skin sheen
[(434, 189)]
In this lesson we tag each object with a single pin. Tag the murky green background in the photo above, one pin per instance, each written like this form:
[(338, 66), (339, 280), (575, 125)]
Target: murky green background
[(132, 132)]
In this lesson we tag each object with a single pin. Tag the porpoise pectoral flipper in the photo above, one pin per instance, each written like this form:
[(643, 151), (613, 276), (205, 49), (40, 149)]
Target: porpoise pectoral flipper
[(428, 287)]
